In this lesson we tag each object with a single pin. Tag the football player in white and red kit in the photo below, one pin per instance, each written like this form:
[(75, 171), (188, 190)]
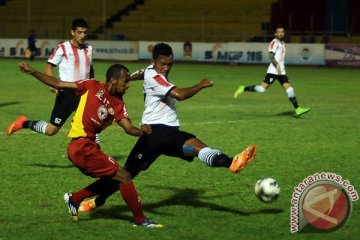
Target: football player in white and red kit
[(276, 71), (166, 137), (74, 58)]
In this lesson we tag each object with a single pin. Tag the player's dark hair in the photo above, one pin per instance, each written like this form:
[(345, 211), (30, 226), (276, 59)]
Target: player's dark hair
[(115, 71), (279, 26), (162, 49), (79, 22)]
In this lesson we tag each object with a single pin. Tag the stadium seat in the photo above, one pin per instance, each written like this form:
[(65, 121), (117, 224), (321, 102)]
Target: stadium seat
[(51, 19)]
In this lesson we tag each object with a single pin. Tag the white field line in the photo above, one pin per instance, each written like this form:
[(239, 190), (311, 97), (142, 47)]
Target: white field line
[(183, 124)]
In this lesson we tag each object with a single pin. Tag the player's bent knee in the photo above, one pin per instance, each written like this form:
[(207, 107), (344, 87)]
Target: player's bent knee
[(51, 130), (260, 89), (189, 151), (290, 92), (122, 175)]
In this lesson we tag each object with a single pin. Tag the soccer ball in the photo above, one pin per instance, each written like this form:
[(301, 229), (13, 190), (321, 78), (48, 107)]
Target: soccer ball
[(267, 190)]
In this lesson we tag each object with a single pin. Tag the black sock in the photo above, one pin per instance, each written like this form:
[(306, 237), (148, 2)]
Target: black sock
[(250, 88), (221, 160), (294, 102), (29, 124), (104, 189)]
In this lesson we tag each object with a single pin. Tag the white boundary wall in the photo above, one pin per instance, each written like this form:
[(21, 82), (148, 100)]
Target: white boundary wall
[(232, 52)]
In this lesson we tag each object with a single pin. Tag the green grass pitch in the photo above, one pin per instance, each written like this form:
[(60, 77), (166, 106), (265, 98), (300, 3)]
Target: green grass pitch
[(192, 200)]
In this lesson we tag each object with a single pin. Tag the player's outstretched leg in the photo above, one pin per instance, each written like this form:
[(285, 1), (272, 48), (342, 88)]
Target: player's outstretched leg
[(300, 111), (243, 158), (16, 125)]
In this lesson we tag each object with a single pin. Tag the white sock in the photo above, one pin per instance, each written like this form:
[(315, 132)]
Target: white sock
[(97, 138), (207, 155), (40, 127), (259, 89)]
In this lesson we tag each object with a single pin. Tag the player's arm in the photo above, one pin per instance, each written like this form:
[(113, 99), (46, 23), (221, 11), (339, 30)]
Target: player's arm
[(49, 70), (46, 79), (274, 62), (181, 94), (130, 129), (137, 75), (92, 72)]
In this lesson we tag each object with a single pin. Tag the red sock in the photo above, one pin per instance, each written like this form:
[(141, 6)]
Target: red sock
[(78, 196), (132, 199)]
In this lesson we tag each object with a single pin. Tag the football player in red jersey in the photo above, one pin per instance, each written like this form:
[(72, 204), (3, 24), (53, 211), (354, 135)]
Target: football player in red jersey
[(100, 105)]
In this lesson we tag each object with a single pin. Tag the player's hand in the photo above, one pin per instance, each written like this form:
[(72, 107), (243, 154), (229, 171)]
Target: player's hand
[(26, 68), (54, 90), (137, 75), (146, 129), (206, 83)]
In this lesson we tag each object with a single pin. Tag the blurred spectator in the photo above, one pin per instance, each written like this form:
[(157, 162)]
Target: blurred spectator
[(32, 44)]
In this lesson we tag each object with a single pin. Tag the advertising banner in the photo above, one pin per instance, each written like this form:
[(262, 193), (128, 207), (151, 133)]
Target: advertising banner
[(115, 50), (305, 54), (232, 52), (107, 50), (342, 55), (17, 47), (248, 53)]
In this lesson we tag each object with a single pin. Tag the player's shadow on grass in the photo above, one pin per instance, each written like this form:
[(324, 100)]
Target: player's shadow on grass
[(181, 197), (287, 113), (271, 115), (117, 157), (50, 165), (8, 103)]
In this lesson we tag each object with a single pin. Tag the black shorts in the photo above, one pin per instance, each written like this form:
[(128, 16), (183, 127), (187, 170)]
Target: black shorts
[(164, 140), (66, 103), (32, 48), (270, 78)]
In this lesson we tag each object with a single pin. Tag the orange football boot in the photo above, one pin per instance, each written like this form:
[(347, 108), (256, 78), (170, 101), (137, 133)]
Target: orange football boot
[(16, 125), (243, 158)]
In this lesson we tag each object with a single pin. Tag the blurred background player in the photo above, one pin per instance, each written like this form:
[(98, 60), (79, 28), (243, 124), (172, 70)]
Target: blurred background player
[(276, 71), (166, 137), (100, 105), (32, 44), (74, 58)]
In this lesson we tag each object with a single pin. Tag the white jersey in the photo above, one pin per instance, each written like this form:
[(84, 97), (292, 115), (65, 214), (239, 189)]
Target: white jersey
[(277, 47), (159, 108), (74, 63)]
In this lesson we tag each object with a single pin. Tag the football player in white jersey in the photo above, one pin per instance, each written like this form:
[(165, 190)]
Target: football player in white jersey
[(166, 137), (276, 71), (74, 58)]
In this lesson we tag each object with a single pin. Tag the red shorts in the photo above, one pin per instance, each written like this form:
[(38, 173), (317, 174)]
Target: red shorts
[(86, 155)]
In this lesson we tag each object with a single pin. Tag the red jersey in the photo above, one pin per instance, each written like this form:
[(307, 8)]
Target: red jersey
[(97, 109)]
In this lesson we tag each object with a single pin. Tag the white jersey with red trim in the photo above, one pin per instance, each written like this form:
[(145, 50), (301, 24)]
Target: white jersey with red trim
[(159, 107), (74, 63), (277, 47)]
